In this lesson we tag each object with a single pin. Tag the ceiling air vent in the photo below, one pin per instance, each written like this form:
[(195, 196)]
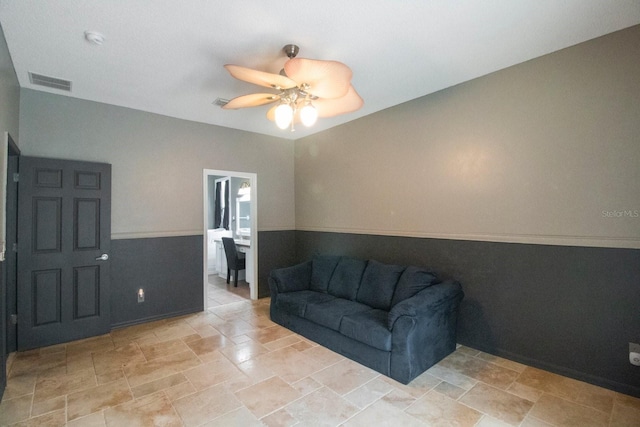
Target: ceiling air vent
[(52, 82), (220, 102)]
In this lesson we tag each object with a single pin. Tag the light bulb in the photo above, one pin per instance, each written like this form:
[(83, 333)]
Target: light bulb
[(308, 115), (284, 115)]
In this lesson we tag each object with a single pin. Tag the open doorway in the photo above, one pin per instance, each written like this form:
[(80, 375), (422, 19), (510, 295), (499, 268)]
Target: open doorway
[(230, 209)]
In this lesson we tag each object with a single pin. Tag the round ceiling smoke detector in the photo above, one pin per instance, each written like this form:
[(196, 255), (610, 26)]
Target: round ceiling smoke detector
[(94, 37)]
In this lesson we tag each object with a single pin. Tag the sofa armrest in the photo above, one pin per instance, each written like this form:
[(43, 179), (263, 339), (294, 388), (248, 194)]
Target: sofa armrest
[(290, 279), (433, 298)]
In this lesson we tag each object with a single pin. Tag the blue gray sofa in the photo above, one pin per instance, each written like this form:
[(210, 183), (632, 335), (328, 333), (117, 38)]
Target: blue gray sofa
[(396, 320)]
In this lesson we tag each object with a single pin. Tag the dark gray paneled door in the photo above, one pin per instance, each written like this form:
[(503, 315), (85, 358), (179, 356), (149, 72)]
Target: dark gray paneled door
[(64, 238)]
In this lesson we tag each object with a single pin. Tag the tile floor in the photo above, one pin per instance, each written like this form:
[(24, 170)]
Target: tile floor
[(232, 366)]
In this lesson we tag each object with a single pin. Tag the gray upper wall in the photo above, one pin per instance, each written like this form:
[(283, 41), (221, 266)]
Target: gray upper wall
[(546, 152), (9, 92), (158, 162)]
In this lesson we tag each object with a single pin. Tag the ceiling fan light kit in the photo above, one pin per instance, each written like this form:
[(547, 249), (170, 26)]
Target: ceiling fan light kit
[(307, 89)]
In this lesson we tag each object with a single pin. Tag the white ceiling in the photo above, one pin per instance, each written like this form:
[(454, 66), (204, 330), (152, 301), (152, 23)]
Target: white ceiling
[(167, 56)]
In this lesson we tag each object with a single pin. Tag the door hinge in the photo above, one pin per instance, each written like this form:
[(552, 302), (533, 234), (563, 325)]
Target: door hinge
[(16, 177), (14, 247), (13, 319)]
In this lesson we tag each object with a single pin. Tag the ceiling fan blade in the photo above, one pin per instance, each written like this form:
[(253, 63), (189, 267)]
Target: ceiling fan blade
[(336, 106), (326, 79), (275, 81), (252, 100)]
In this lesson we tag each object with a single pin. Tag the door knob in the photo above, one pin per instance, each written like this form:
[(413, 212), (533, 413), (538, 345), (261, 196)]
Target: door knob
[(102, 257)]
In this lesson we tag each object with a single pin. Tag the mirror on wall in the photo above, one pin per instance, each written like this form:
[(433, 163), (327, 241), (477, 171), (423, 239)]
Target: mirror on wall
[(243, 209)]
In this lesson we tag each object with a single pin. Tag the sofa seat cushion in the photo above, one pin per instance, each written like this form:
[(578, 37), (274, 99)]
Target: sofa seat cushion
[(368, 327), (296, 302), (330, 313)]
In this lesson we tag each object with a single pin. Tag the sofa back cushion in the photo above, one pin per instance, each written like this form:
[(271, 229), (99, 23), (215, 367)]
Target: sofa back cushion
[(346, 278), (378, 284), (412, 281), (322, 268)]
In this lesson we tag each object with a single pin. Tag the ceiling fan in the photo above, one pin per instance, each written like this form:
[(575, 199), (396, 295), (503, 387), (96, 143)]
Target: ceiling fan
[(306, 89)]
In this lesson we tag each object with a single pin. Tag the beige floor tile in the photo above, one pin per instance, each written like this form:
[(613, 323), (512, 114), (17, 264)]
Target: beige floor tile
[(288, 363), (175, 331), (113, 360), (59, 385), (368, 393), (244, 351), (233, 328), (558, 411), (160, 367), (32, 363), (452, 377), (480, 370), (56, 418), (322, 407), (97, 398), (154, 410), (179, 391), (499, 404), (19, 385), (399, 399), (438, 410), (323, 355), (90, 345), (267, 396), (279, 418), (449, 390), (505, 363), (524, 391), (80, 362), (283, 342), (157, 349), (206, 405), (488, 421), (422, 384), (345, 376), (209, 344), (530, 421), (267, 335), (14, 410), (626, 400), (157, 385), (212, 373), (110, 376), (44, 406), (306, 385), (382, 414), (240, 417), (625, 416), (94, 420), (573, 390)]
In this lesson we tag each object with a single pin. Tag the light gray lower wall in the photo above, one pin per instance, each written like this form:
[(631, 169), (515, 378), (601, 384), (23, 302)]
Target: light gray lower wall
[(570, 310), (158, 162), (543, 152)]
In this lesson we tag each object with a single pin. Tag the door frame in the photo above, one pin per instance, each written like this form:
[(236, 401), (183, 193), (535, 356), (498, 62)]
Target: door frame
[(253, 182)]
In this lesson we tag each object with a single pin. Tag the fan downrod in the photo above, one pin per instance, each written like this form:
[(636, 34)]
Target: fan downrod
[(291, 50)]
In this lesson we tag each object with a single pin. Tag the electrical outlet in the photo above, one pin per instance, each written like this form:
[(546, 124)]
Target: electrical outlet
[(140, 295), (634, 354)]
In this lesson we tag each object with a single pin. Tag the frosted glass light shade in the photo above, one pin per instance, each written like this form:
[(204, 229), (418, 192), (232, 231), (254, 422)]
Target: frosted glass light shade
[(308, 115), (284, 115)]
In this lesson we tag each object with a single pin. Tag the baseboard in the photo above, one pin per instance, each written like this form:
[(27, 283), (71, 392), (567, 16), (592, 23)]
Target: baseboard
[(121, 325)]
